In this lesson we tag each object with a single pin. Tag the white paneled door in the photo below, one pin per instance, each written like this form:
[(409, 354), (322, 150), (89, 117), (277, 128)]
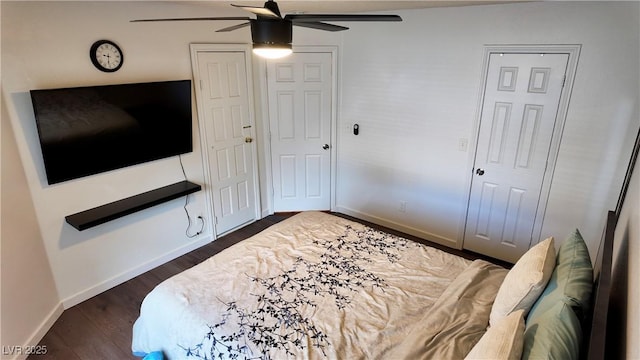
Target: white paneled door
[(300, 112), (521, 97), (224, 104)]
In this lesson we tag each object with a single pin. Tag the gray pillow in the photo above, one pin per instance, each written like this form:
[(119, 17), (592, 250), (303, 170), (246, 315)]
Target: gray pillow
[(571, 280), (555, 334)]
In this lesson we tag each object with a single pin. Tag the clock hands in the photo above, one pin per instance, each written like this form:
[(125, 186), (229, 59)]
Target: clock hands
[(106, 56), (108, 59)]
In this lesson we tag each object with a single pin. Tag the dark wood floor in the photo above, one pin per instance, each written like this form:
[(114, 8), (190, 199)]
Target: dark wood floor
[(100, 328)]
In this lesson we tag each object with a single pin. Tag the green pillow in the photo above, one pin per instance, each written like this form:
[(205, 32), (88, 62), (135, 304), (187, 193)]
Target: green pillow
[(571, 280), (556, 334)]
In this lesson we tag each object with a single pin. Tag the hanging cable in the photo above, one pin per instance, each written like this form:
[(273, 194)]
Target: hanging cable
[(186, 211)]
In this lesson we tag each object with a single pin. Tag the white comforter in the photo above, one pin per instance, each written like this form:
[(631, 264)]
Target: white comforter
[(313, 286)]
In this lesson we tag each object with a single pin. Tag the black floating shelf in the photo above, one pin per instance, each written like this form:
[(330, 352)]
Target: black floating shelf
[(111, 211)]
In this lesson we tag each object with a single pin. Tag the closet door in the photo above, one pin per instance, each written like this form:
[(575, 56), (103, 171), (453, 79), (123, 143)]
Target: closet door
[(521, 97), (224, 102), (300, 98)]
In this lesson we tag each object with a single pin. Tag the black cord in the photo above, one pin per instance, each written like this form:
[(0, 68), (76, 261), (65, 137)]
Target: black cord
[(186, 202), (189, 221), (182, 167)]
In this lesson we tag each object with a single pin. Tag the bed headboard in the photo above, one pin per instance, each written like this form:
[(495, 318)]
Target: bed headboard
[(610, 286), (595, 346)]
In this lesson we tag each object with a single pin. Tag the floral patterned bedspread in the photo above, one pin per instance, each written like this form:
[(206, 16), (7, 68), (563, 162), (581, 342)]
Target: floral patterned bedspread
[(313, 286)]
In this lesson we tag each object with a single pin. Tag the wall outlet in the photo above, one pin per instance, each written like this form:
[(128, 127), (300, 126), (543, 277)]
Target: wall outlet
[(403, 206)]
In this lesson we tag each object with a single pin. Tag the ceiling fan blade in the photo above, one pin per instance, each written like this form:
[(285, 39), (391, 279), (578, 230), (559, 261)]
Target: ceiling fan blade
[(192, 19), (259, 11), (234, 27), (298, 18), (320, 26)]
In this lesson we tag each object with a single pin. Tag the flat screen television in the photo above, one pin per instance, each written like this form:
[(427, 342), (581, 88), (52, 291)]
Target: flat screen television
[(88, 130)]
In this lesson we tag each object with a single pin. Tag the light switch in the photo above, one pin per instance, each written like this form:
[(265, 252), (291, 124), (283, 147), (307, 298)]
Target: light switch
[(463, 144)]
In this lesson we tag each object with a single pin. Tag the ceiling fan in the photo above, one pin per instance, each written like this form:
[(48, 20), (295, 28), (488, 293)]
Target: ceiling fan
[(272, 33)]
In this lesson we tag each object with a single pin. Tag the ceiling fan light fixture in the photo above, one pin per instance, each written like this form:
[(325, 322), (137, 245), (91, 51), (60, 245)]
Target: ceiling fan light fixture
[(271, 38), (272, 34), (272, 51)]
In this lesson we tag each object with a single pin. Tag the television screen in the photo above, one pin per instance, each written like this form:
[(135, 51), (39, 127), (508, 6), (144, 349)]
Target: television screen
[(88, 130)]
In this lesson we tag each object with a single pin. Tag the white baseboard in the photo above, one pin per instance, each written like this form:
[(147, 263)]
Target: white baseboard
[(38, 334), (130, 274), (399, 227)]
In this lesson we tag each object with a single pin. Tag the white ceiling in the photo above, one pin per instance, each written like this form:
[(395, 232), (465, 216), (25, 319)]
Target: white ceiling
[(359, 6)]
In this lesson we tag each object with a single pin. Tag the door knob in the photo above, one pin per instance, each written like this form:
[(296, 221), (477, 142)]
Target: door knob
[(479, 172), (248, 139), (325, 146)]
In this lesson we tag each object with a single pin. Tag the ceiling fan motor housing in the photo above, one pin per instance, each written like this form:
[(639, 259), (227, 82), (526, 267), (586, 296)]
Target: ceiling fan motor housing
[(268, 32), (273, 7)]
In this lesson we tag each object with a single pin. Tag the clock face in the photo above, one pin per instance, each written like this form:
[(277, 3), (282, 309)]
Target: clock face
[(106, 56)]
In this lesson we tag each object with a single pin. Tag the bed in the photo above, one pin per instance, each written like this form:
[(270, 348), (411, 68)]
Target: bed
[(319, 286)]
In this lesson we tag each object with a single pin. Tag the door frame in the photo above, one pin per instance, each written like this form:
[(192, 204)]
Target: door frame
[(574, 53), (195, 49), (266, 121)]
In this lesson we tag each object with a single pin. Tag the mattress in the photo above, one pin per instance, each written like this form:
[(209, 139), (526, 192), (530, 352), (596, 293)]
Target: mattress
[(319, 286)]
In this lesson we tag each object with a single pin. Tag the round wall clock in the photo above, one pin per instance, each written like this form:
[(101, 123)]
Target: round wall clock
[(106, 56)]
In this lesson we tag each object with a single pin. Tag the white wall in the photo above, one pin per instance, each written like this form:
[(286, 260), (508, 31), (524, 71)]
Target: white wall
[(46, 45), (625, 282), (30, 302), (628, 231), (414, 86)]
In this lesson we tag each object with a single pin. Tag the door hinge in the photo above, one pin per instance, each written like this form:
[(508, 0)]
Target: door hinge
[(564, 79), (215, 219), (201, 85)]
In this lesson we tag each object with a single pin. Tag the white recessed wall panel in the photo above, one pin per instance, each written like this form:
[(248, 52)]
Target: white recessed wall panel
[(288, 175), (528, 134), (508, 78), (219, 123), (226, 201), (241, 158), (538, 81), (285, 72), (513, 216), (313, 175), (224, 164), (237, 120), (313, 114), (234, 73), (312, 72), (216, 80), (243, 195), (499, 129), (286, 119), (485, 209)]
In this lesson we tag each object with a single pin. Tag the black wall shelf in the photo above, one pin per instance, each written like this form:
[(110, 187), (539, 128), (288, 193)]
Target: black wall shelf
[(111, 211)]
